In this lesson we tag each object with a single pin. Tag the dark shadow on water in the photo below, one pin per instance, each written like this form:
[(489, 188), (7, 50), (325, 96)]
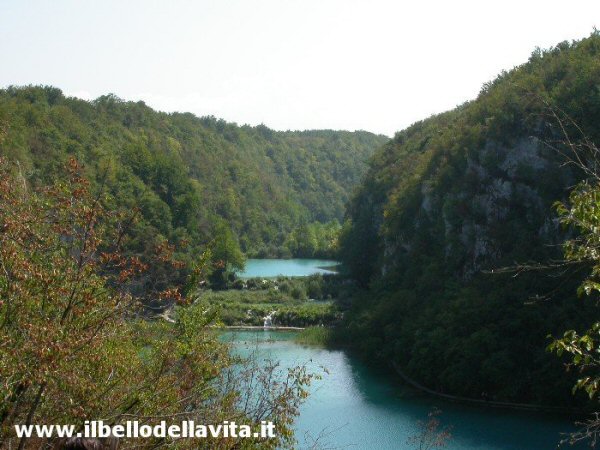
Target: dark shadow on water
[(472, 426)]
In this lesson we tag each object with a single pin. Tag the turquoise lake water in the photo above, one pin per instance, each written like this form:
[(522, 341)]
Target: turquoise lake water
[(270, 268), (358, 408)]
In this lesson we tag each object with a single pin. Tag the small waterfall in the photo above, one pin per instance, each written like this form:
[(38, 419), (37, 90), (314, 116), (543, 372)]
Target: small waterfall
[(268, 320)]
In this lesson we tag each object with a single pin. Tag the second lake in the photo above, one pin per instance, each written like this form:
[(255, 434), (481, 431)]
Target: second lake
[(299, 267)]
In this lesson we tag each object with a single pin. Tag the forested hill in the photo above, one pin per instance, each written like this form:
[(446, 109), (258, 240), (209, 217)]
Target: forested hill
[(279, 192), (457, 195)]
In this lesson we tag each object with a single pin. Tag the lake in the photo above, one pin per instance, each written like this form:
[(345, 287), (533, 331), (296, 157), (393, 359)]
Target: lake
[(359, 408), (299, 267)]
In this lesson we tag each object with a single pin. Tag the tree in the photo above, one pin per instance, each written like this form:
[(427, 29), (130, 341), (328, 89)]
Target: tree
[(72, 344), (226, 255), (582, 214)]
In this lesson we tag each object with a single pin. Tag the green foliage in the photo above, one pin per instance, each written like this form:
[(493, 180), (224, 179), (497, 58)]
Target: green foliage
[(298, 293), (456, 196), (227, 257), (72, 349), (318, 336), (226, 250), (280, 193), (584, 355), (249, 301), (583, 214)]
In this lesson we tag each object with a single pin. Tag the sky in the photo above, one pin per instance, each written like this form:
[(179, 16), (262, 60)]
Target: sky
[(289, 64)]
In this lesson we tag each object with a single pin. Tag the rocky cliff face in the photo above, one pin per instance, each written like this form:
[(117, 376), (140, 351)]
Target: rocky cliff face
[(496, 186), (455, 196)]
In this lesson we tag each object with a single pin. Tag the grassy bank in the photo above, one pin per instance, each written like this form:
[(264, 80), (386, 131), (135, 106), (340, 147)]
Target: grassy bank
[(318, 336), (292, 301)]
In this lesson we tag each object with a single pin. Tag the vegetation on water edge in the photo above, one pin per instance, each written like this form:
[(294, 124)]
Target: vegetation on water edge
[(293, 301), (318, 336)]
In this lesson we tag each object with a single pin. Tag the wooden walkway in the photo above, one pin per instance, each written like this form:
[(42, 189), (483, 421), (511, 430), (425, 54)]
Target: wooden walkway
[(486, 403)]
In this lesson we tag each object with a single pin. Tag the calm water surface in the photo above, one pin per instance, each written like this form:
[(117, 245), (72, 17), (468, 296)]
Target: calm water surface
[(270, 268), (357, 408)]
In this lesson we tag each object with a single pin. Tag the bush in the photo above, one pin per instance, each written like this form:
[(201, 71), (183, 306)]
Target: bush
[(314, 289), (320, 336), (298, 293)]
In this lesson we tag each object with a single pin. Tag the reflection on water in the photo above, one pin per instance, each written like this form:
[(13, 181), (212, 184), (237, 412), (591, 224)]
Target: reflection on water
[(356, 407)]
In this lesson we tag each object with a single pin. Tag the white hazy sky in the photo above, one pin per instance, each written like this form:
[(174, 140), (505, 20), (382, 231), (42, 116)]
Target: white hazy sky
[(290, 64)]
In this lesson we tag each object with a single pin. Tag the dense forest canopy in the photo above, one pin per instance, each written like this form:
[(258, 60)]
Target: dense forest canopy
[(456, 196), (280, 193)]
